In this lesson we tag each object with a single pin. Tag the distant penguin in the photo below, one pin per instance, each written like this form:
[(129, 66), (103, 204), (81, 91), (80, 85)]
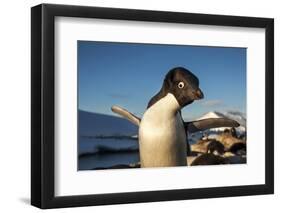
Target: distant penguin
[(229, 137), (233, 132), (162, 133)]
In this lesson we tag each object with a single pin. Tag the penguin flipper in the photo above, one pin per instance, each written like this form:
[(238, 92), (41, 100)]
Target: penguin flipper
[(126, 114), (201, 125)]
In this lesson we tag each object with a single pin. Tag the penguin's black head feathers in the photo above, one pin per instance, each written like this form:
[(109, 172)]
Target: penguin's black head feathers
[(183, 84)]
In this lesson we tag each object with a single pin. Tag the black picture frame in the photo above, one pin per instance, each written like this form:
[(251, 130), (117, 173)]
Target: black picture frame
[(43, 111)]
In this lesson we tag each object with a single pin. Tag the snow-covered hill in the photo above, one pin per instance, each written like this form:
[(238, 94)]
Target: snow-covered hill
[(95, 124), (211, 115), (237, 116), (105, 133)]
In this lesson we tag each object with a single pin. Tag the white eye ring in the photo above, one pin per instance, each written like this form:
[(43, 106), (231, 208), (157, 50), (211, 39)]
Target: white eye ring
[(181, 85)]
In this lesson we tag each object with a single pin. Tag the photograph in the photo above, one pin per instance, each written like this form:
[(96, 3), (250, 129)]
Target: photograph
[(147, 105), (138, 105)]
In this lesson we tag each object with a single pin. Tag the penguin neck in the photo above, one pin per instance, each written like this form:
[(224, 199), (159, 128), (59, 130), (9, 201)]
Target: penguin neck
[(167, 105)]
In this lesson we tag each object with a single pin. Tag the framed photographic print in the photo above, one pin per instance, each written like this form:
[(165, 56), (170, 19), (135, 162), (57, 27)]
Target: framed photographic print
[(139, 106)]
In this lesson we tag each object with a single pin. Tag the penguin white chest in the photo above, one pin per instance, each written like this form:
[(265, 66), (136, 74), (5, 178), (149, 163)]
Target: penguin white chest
[(162, 136)]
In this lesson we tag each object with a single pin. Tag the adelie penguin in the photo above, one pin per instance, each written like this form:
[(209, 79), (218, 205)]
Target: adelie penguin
[(162, 130)]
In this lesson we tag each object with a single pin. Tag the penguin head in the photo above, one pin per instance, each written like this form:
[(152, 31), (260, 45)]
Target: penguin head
[(183, 84)]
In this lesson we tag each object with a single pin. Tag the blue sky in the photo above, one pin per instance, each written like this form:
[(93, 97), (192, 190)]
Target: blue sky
[(128, 75)]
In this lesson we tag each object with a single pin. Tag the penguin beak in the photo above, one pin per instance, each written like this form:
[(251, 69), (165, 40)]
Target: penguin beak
[(198, 94)]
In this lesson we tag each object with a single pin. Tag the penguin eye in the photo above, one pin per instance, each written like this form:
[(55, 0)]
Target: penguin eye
[(181, 85)]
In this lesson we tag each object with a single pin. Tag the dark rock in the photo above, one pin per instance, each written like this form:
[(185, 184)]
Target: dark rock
[(238, 148), (209, 159), (215, 146), (120, 166)]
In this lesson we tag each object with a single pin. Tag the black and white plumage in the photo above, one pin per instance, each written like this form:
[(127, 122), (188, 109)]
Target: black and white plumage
[(162, 131), (162, 134)]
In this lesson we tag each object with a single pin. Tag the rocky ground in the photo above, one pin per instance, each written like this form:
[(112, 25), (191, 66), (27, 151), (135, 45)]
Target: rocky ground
[(226, 148)]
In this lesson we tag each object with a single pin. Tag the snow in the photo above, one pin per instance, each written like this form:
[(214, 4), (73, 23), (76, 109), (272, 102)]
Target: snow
[(237, 116), (211, 115), (104, 132), (95, 124)]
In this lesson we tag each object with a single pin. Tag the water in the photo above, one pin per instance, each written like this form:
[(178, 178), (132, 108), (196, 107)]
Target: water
[(96, 160), (99, 152)]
